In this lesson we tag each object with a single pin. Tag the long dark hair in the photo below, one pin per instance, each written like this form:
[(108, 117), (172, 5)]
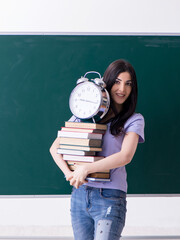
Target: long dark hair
[(129, 106)]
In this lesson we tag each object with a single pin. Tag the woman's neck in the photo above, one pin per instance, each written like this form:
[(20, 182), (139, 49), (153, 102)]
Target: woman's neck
[(118, 108)]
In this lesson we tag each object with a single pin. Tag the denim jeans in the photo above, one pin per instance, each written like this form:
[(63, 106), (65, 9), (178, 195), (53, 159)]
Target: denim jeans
[(97, 213)]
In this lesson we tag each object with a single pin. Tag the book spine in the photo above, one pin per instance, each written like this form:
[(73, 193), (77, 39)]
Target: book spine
[(98, 179), (76, 152), (99, 175), (82, 158), (86, 130), (86, 125), (80, 148), (81, 142), (79, 135)]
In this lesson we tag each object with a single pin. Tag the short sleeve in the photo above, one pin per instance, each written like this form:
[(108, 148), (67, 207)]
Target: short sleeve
[(136, 124)]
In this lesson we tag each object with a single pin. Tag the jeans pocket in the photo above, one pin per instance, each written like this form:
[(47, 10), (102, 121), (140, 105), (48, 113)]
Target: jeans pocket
[(112, 194)]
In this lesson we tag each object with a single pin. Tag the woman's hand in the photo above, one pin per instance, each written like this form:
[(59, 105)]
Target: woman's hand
[(78, 176), (69, 176)]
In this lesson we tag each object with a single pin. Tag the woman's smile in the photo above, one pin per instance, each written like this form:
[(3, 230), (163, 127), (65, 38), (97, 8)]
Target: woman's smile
[(120, 95), (121, 89)]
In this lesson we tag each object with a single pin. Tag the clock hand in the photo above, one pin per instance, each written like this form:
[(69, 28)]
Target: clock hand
[(87, 101)]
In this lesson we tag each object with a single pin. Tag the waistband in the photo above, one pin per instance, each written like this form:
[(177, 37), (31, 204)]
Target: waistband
[(121, 193)]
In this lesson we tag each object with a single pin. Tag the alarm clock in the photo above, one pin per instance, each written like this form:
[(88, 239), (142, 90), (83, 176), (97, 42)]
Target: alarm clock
[(89, 99)]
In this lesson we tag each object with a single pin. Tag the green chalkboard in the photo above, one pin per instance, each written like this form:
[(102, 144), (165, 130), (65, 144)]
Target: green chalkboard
[(37, 74)]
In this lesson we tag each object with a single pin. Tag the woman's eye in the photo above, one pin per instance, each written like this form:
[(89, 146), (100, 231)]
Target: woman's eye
[(129, 83), (117, 81)]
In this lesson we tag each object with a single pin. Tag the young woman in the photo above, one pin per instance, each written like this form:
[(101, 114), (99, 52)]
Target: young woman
[(98, 209)]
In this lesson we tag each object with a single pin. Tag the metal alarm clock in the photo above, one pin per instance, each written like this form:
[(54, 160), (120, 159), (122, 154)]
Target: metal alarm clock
[(89, 99)]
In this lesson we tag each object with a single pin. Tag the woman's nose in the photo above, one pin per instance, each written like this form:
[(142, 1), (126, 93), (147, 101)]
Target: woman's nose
[(121, 87)]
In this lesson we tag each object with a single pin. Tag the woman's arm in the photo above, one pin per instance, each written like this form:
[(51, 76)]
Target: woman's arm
[(59, 160), (116, 160)]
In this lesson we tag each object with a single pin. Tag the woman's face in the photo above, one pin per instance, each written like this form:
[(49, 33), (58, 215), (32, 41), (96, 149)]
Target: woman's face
[(121, 89)]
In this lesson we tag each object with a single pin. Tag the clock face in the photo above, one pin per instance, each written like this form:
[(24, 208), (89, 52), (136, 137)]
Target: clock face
[(85, 100)]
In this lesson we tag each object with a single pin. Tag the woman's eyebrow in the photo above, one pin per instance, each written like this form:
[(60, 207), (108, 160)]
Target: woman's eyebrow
[(121, 80)]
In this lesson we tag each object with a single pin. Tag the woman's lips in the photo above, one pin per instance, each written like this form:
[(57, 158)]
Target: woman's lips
[(120, 95)]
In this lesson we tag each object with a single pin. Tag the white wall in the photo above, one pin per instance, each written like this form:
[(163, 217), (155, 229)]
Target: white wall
[(37, 216), (97, 16), (40, 216)]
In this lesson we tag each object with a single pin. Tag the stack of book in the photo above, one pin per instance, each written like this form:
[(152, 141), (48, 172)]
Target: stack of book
[(79, 143)]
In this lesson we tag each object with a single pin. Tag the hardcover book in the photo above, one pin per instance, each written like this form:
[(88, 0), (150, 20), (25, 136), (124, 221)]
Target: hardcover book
[(87, 130), (76, 152), (86, 125), (81, 148), (80, 135), (81, 142), (81, 158), (98, 179)]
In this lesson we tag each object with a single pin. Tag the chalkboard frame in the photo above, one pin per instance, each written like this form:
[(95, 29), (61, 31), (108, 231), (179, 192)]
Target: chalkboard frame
[(37, 74)]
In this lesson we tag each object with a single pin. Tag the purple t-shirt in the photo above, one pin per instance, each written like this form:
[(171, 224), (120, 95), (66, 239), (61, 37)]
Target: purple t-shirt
[(112, 144)]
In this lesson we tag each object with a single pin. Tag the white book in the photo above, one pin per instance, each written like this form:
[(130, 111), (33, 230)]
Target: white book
[(82, 158), (75, 152), (80, 148), (80, 135)]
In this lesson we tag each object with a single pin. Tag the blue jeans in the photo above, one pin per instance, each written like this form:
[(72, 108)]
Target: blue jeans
[(97, 213)]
